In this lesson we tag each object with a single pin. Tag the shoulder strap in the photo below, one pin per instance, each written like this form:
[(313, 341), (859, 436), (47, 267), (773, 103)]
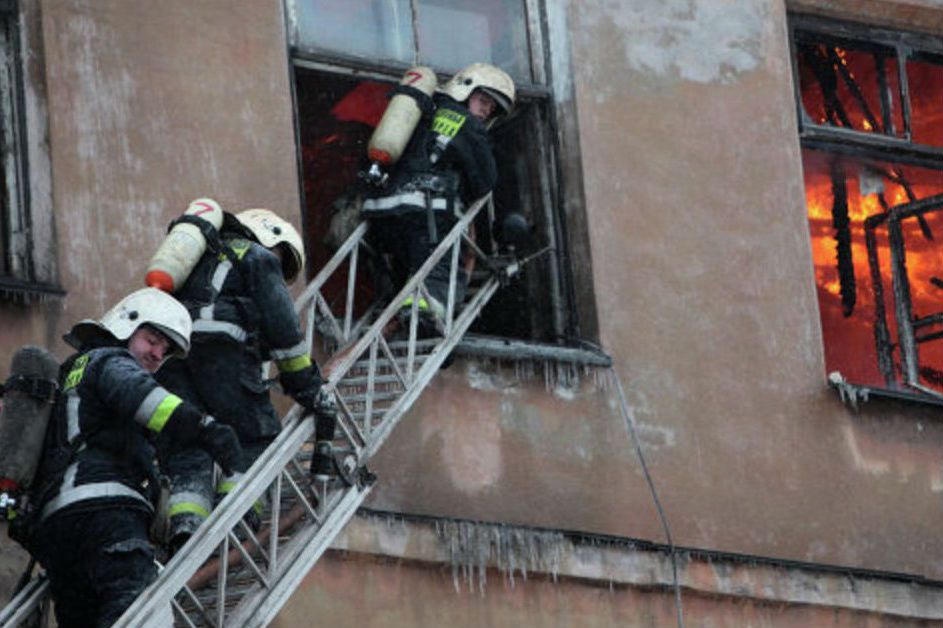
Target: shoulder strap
[(213, 241)]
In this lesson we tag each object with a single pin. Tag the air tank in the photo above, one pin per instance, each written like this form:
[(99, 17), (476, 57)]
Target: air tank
[(183, 247), (24, 416), (392, 134)]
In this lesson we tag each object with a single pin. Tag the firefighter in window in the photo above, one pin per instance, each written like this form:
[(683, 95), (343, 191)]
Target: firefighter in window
[(436, 146)]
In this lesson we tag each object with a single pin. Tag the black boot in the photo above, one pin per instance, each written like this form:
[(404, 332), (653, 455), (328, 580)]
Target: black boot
[(322, 462), (176, 542)]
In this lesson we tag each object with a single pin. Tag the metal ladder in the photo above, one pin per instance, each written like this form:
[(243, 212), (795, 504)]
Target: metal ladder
[(228, 575)]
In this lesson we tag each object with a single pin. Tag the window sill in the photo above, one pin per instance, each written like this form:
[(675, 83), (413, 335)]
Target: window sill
[(855, 394), (505, 348), (24, 292)]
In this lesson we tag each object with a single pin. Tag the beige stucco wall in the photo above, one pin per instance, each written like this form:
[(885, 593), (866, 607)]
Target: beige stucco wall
[(701, 272), (704, 287), (355, 591), (149, 106)]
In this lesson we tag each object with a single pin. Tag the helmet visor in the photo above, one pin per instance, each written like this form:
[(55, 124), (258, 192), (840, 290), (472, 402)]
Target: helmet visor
[(500, 100)]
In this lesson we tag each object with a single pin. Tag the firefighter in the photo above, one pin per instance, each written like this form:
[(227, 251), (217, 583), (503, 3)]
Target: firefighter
[(97, 479), (242, 315), (447, 164)]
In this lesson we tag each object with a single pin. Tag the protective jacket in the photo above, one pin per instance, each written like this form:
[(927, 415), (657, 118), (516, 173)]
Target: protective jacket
[(447, 164), (242, 315), (238, 294), (98, 454)]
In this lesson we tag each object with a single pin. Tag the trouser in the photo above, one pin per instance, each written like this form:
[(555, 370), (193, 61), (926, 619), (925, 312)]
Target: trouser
[(224, 380), (405, 238), (98, 562), (193, 493)]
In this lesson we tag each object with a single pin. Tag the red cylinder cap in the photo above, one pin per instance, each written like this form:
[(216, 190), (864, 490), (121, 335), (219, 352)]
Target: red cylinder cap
[(380, 156), (159, 279)]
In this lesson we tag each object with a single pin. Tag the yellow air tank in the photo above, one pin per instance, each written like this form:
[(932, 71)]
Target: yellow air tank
[(391, 136), (183, 247)]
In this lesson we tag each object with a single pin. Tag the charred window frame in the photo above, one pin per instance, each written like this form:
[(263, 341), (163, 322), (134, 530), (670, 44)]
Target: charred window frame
[(21, 279), (873, 160), (547, 296)]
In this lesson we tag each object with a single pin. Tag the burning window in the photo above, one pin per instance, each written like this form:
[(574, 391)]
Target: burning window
[(869, 108), (347, 58)]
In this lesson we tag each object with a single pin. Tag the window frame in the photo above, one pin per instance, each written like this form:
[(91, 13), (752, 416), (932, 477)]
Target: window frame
[(879, 146), (854, 142), (538, 92), (21, 270)]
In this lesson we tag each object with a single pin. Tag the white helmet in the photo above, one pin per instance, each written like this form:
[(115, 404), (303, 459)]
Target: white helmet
[(492, 80), (148, 306), (271, 230)]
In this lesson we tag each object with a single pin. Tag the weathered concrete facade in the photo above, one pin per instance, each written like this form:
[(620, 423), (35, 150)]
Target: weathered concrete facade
[(147, 107), (691, 204)]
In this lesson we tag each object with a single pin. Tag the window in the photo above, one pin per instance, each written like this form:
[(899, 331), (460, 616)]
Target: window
[(347, 55), (872, 154), (21, 277)]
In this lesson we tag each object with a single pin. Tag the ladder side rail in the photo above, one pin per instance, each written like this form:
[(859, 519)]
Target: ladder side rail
[(215, 530), (148, 608), (332, 265), (429, 368), (25, 603), (260, 605), (409, 288)]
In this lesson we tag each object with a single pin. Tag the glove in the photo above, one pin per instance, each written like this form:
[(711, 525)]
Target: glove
[(221, 442), (8, 503), (325, 404), (318, 402)]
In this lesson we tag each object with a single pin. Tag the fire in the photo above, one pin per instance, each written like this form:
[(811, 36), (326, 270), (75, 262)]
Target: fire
[(850, 342), (842, 86)]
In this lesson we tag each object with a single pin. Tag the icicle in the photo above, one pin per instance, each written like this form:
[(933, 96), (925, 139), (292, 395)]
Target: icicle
[(473, 547)]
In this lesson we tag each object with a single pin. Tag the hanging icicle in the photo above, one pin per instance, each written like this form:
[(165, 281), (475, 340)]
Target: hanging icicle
[(474, 547)]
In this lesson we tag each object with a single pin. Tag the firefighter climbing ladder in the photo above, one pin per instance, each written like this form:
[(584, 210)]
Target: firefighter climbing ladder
[(228, 575)]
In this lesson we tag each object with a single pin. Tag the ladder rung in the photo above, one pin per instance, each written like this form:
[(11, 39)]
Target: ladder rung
[(397, 346), (361, 380), (378, 395), (384, 364)]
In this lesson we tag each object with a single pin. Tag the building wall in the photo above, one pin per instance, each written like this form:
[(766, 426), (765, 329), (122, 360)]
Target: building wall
[(701, 271), (703, 282), (387, 571), (149, 106), (702, 262)]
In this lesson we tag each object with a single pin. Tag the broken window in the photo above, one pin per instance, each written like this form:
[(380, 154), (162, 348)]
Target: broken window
[(347, 58), (14, 244), (25, 269), (872, 155)]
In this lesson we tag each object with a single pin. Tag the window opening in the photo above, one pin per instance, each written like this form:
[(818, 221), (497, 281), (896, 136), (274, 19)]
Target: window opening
[(20, 280), (344, 73), (337, 114), (445, 34), (15, 261), (873, 169)]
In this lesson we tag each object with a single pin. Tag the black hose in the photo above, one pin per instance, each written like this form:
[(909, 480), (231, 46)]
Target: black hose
[(630, 426)]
